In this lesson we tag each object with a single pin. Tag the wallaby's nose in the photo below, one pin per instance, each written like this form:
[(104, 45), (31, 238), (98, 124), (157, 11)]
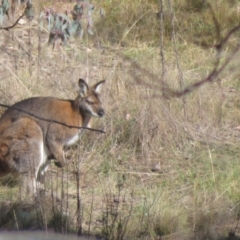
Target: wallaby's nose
[(100, 112)]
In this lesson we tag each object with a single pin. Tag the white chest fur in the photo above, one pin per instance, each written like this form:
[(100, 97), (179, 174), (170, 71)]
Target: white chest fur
[(74, 139)]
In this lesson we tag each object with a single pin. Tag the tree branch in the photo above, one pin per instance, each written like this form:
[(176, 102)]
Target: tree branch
[(12, 26), (49, 120), (165, 90)]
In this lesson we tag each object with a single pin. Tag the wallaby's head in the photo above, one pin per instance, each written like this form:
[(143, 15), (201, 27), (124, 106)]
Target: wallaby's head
[(89, 97)]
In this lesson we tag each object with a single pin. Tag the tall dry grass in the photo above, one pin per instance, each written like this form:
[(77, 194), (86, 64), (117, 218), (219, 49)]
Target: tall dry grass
[(165, 168)]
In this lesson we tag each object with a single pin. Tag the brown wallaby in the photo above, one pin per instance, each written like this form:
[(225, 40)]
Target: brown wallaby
[(54, 137)]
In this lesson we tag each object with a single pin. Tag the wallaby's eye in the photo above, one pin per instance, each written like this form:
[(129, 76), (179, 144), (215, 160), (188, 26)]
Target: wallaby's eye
[(89, 102)]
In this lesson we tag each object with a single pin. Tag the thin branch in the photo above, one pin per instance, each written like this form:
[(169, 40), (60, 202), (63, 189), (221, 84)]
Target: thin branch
[(174, 40), (165, 90), (210, 78), (217, 68), (228, 35), (12, 26), (162, 43), (215, 21), (49, 120)]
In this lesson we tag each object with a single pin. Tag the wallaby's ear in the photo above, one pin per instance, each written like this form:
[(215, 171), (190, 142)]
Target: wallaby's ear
[(83, 87), (4, 149), (98, 86)]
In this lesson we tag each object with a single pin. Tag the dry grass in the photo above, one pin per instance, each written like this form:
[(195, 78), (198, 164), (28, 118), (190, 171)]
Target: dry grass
[(166, 168)]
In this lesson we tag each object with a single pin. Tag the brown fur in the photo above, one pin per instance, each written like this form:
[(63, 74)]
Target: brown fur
[(20, 152)]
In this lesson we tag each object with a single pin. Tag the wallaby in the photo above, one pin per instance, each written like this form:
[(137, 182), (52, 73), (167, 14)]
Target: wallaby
[(55, 137)]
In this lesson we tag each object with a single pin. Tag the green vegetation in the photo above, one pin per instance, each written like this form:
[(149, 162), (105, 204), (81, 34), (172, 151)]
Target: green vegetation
[(166, 168)]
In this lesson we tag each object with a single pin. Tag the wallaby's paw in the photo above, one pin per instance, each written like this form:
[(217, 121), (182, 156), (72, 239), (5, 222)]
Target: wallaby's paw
[(59, 164)]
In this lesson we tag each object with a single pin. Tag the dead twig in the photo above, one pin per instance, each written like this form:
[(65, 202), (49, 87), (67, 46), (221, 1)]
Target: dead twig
[(49, 120), (12, 26)]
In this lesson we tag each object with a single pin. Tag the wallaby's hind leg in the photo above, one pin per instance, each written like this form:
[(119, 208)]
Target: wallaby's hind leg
[(21, 150), (57, 152), (35, 157), (28, 185), (42, 167)]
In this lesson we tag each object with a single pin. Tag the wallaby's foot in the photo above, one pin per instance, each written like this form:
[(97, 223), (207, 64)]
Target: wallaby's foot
[(59, 164)]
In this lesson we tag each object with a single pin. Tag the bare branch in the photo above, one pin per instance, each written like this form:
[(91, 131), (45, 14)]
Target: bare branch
[(138, 73), (49, 120), (12, 26), (217, 68)]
